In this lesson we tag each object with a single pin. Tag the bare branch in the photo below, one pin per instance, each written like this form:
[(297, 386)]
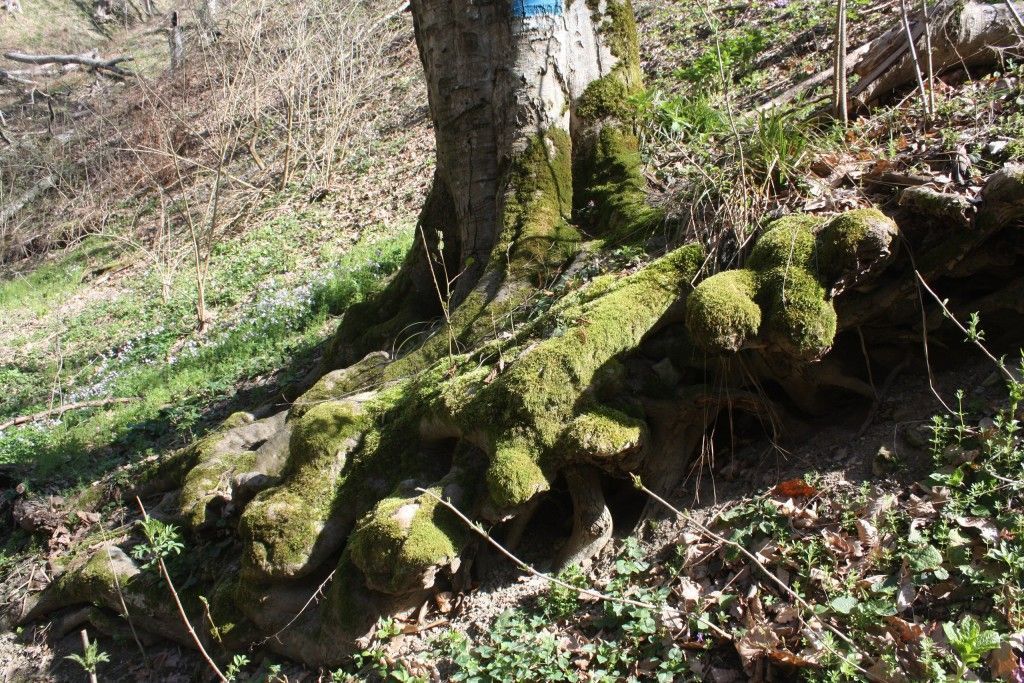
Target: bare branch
[(60, 410), (90, 60)]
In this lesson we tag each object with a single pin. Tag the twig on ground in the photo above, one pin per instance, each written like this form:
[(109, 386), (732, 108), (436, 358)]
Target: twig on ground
[(928, 64), (181, 610), (1017, 18), (588, 592), (840, 99)]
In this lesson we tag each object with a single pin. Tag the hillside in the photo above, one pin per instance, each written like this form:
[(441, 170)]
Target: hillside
[(178, 245)]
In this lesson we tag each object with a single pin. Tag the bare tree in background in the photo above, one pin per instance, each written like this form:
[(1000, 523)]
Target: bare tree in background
[(176, 42)]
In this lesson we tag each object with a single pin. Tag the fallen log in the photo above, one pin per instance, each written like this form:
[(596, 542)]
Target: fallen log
[(27, 197), (968, 34), (89, 60), (60, 410)]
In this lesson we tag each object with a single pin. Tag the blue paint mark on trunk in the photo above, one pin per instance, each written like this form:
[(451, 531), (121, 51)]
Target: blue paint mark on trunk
[(530, 8)]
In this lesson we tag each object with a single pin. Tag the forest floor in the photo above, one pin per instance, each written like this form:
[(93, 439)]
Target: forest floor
[(886, 527)]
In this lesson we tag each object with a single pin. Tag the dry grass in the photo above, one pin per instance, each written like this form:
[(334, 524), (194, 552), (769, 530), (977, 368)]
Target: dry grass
[(281, 100)]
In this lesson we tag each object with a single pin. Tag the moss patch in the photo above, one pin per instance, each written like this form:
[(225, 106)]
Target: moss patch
[(783, 293), (282, 525), (721, 314), (402, 539)]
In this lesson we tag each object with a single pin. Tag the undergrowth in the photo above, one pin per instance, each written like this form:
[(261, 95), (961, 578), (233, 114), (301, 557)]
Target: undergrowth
[(884, 581), (138, 347)]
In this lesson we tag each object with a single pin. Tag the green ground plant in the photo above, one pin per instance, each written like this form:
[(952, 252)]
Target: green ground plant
[(138, 347), (91, 658)]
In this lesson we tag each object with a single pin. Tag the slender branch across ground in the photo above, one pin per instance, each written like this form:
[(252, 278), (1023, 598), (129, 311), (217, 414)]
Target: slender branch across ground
[(588, 592), (181, 610)]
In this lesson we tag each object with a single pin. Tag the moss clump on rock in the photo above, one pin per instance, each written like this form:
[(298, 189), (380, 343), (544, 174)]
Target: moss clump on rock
[(790, 241), (214, 460), (783, 296)]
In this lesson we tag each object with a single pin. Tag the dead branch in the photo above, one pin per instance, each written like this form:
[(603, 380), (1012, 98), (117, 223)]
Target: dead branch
[(968, 34), (60, 410), (89, 60), (9, 77)]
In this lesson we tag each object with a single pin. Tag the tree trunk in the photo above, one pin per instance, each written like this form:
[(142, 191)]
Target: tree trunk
[(176, 43), (520, 94)]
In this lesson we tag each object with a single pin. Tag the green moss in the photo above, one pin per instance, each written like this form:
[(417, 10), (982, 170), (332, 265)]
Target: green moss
[(210, 476), (607, 97), (338, 384), (210, 467), (618, 26), (527, 408), (172, 471), (783, 293), (229, 627), (602, 434), (610, 188), (846, 236), (402, 539), (514, 475), (787, 241), (798, 318), (282, 525), (721, 314), (538, 205)]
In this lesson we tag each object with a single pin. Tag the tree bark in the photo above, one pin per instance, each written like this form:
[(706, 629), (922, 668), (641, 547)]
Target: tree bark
[(519, 93)]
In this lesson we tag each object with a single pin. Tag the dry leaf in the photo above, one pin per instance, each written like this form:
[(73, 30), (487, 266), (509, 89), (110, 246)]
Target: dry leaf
[(985, 527), (905, 631), (795, 488), (788, 658), (689, 591), (905, 598), (755, 643), (921, 509), (867, 533), (88, 517), (1003, 662), (841, 544)]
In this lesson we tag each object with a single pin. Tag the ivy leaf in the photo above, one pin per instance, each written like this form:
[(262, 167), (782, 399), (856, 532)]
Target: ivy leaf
[(925, 558), (844, 604)]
